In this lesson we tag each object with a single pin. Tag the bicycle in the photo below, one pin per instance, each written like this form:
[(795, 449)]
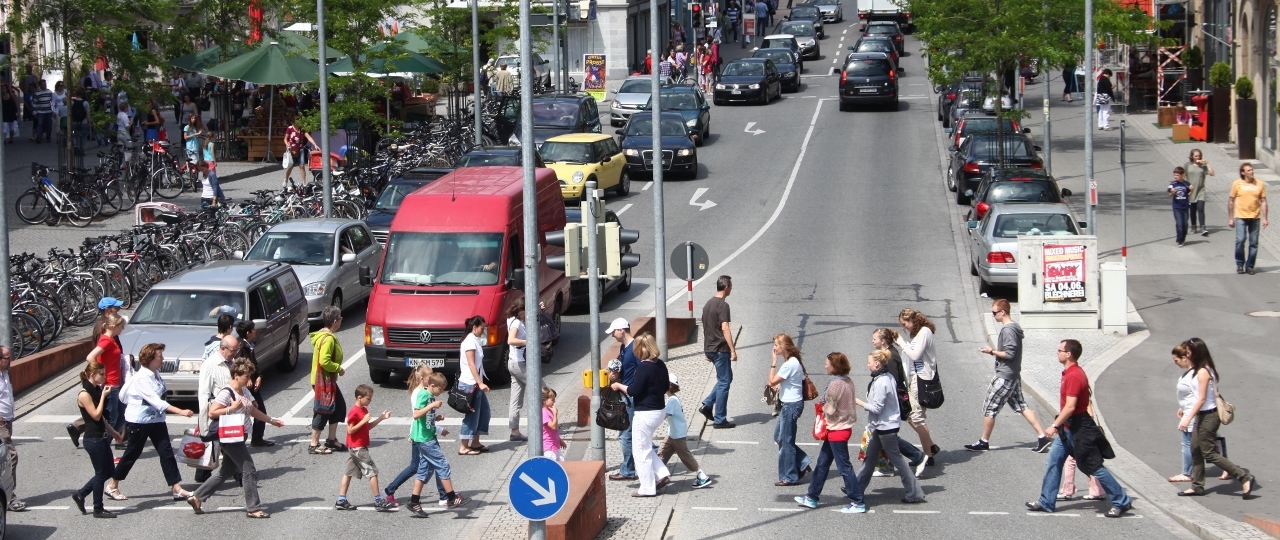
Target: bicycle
[(45, 201)]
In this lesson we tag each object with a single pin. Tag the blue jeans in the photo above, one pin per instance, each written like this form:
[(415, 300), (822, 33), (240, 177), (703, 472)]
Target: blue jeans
[(44, 126), (1180, 223), (1186, 452), (431, 460), (409, 472), (79, 131), (839, 452), (115, 410), (791, 459), (476, 421), (1053, 476), (719, 396), (99, 450), (1251, 227), (628, 465)]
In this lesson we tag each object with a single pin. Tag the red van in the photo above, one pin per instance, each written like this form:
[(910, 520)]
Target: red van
[(454, 251)]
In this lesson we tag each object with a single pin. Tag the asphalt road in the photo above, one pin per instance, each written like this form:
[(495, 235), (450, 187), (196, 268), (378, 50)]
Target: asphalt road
[(829, 222)]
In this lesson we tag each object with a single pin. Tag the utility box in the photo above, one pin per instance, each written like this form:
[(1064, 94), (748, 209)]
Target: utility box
[(1058, 282), (1115, 298)]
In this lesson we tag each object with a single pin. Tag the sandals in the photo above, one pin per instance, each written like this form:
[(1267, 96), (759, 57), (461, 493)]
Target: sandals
[(319, 449), (115, 494), (464, 451), (182, 495), (1180, 478), (258, 514), (333, 444)]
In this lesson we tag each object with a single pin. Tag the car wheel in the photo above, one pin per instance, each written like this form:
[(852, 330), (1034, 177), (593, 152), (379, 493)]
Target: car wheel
[(379, 376), (951, 179), (894, 106), (503, 375), (337, 301), (844, 107), (624, 183), (973, 269), (960, 198), (555, 320), (625, 284), (290, 360), (940, 116), (694, 175)]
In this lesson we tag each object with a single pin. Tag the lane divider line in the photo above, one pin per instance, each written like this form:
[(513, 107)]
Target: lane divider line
[(917, 511), (647, 185), (714, 508), (736, 442), (988, 513), (780, 509), (624, 209)]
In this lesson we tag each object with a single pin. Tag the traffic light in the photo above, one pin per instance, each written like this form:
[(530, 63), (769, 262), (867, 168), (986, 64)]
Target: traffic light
[(571, 240), (615, 259), (696, 8)]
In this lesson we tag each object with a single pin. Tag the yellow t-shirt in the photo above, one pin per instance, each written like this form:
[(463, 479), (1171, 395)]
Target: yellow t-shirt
[(1248, 198)]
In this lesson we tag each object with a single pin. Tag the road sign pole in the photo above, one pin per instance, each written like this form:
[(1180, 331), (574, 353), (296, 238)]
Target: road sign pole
[(659, 229), (593, 298), (326, 178), (688, 251), (1124, 220), (533, 355), (5, 332), (1091, 184)]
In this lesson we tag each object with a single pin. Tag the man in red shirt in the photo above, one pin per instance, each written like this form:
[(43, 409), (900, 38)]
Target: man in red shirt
[(1079, 437)]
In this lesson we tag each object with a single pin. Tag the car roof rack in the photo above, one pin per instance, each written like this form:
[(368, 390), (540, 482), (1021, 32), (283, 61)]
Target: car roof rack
[(265, 270)]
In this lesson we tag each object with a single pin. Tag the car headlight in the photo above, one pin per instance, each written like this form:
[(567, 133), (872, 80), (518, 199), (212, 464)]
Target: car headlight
[(684, 152), (720, 86), (514, 140), (313, 289), (631, 152), (692, 123), (753, 87), (189, 365), (577, 177), (373, 335), (788, 74)]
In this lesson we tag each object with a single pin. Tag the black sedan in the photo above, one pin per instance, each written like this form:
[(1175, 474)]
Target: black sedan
[(808, 12), (786, 62), (885, 28), (383, 211), (980, 153), (679, 153), (496, 156), (877, 44), (748, 79), (1014, 185)]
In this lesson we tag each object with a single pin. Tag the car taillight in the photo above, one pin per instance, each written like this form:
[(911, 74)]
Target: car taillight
[(981, 210), (1015, 126), (1037, 165), (1000, 257), (972, 168), (844, 75), (893, 75), (862, 15), (951, 96)]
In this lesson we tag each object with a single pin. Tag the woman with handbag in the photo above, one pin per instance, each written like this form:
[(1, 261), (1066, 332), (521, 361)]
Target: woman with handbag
[(234, 404), (144, 415), (471, 381), (648, 390), (515, 365), (330, 407), (789, 380), (1102, 97), (1206, 413), (839, 414), (924, 365), (883, 416)]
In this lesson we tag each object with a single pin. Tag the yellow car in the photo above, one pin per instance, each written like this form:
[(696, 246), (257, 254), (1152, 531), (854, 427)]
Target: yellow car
[(579, 158)]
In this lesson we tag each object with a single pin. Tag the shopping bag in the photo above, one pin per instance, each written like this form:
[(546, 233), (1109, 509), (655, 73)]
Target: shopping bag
[(231, 428), (287, 161), (195, 452), (819, 423)]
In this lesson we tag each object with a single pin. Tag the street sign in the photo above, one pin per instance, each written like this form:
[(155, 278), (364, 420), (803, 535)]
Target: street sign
[(685, 254), (538, 488)]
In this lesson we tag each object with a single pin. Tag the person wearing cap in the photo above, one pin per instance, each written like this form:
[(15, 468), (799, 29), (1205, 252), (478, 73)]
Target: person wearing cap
[(113, 361), (107, 306), (677, 430), (621, 370)]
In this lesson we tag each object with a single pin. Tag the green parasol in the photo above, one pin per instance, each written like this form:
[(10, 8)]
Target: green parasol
[(207, 58), (268, 64)]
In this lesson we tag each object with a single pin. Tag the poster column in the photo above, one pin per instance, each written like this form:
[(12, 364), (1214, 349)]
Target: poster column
[(593, 77)]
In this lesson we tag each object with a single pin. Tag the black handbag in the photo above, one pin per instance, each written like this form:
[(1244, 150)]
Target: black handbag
[(612, 414), (461, 401), (929, 391)]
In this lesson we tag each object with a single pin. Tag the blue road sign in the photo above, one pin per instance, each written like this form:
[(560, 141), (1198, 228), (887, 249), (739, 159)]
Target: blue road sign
[(538, 488)]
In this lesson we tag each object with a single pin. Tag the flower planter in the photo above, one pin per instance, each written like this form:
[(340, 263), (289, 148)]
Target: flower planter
[(1247, 128), (1220, 115)]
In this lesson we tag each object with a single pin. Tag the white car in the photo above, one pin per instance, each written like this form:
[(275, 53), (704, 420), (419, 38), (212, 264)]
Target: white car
[(541, 69)]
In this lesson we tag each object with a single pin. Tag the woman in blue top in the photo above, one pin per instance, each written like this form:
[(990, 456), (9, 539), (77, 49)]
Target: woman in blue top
[(788, 380), (192, 134), (648, 390)]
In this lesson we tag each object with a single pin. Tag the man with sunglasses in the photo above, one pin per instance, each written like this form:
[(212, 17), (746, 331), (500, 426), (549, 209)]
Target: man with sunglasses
[(1006, 385)]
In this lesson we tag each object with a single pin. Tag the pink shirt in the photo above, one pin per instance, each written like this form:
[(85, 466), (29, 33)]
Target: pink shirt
[(550, 437)]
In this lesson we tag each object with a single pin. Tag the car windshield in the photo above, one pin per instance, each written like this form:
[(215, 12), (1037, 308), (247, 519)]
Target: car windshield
[(418, 258), (874, 45), (1022, 192), (679, 102), (803, 12), (778, 57), (572, 152), (488, 160), (798, 29), (394, 195), (311, 248), (974, 124), (200, 308), (868, 67), (779, 43), (636, 86), (1014, 225), (643, 127), (512, 61), (986, 148), (744, 69), (882, 29), (555, 113)]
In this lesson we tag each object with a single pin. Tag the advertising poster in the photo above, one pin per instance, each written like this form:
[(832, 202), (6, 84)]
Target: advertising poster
[(749, 24), (593, 75), (1063, 273)]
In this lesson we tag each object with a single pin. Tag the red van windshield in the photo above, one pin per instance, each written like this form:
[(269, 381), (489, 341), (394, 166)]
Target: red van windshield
[(423, 258)]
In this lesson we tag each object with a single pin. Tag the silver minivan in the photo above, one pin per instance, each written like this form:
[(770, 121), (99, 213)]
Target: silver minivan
[(327, 254)]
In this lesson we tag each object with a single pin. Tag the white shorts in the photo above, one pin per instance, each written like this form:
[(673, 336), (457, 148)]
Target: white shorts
[(10, 129), (557, 455)]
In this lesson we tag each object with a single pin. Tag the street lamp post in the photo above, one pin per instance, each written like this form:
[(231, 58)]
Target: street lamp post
[(1092, 196), (659, 245), (475, 69), (324, 110)]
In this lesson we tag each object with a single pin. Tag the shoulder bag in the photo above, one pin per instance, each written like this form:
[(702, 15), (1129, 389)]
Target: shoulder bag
[(819, 423), (612, 413), (1226, 411), (929, 391), (810, 390), (462, 401), (325, 388)]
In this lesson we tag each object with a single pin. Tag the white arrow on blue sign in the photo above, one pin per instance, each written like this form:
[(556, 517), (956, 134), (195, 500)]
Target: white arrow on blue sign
[(538, 488)]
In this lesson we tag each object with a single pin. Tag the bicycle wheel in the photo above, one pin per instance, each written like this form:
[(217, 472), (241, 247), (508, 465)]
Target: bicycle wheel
[(85, 206), (31, 206), (255, 230), (25, 334), (142, 275), (166, 182), (213, 251), (232, 240), (343, 209), (116, 285), (79, 305), (49, 324), (113, 200), (169, 265)]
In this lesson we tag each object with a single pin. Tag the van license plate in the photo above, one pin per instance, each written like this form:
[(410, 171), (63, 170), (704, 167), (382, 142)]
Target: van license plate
[(429, 362), (866, 90), (736, 92)]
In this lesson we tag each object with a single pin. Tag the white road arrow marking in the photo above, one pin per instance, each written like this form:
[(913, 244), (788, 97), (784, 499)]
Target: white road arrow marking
[(548, 494), (751, 131), (705, 205)]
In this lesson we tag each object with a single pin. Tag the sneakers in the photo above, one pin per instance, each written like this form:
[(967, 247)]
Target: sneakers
[(1204, 232), (725, 425), (417, 511), (1239, 269), (383, 505), (706, 411), (343, 504), (457, 502), (443, 502), (920, 468), (806, 502), (854, 508), (17, 505), (391, 501), (104, 514), (1118, 511), (1042, 445), (1035, 506), (979, 446), (701, 481), (880, 474), (1062, 497)]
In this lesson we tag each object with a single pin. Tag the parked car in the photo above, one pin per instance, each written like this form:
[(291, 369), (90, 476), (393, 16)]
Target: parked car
[(973, 123), (182, 312), (832, 10), (877, 44), (947, 95), (788, 65), (804, 32), (1014, 185), (989, 104), (690, 102), (966, 103), (326, 254), (807, 13), (868, 78), (578, 293), (679, 153), (629, 98), (579, 158), (557, 114), (885, 28), (388, 203), (748, 79), (496, 156), (541, 69), (993, 240), (979, 153)]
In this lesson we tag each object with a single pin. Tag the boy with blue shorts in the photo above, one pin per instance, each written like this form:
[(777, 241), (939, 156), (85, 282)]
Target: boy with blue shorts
[(423, 435)]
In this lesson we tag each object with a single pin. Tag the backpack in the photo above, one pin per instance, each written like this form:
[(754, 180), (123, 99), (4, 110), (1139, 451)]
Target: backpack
[(79, 112)]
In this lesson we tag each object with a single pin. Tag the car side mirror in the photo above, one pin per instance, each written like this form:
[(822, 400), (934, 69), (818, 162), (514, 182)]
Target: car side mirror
[(365, 278), (1083, 224), (1066, 192), (617, 132), (971, 224), (259, 323), (754, 49), (1037, 148), (237, 255), (348, 257), (516, 281), (1026, 130), (849, 47)]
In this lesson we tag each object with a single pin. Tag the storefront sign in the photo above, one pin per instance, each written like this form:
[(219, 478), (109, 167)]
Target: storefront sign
[(1064, 272)]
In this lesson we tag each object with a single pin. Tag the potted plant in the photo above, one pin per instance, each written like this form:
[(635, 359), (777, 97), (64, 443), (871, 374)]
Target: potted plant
[(1220, 103), (1193, 61), (1246, 119)]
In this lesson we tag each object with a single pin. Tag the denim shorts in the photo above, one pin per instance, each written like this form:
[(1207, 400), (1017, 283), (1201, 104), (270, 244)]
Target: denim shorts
[(431, 457)]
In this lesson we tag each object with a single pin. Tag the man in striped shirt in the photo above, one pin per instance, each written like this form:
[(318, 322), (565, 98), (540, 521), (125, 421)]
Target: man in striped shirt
[(42, 103)]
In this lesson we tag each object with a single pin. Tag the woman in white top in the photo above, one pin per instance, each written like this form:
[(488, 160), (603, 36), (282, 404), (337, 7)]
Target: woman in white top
[(923, 360), (788, 380), (471, 375), (1187, 397), (145, 407), (1204, 411), (515, 364)]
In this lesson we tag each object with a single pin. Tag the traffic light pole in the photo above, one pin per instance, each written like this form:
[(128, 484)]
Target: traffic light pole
[(533, 355), (593, 286), (659, 232)]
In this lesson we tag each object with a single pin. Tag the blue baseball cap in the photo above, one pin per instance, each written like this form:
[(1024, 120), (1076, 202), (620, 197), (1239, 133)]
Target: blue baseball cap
[(109, 301)]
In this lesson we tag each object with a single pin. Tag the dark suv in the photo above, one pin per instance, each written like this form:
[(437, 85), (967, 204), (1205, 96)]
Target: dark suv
[(558, 114), (980, 153), (886, 28), (1014, 185), (869, 78)]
